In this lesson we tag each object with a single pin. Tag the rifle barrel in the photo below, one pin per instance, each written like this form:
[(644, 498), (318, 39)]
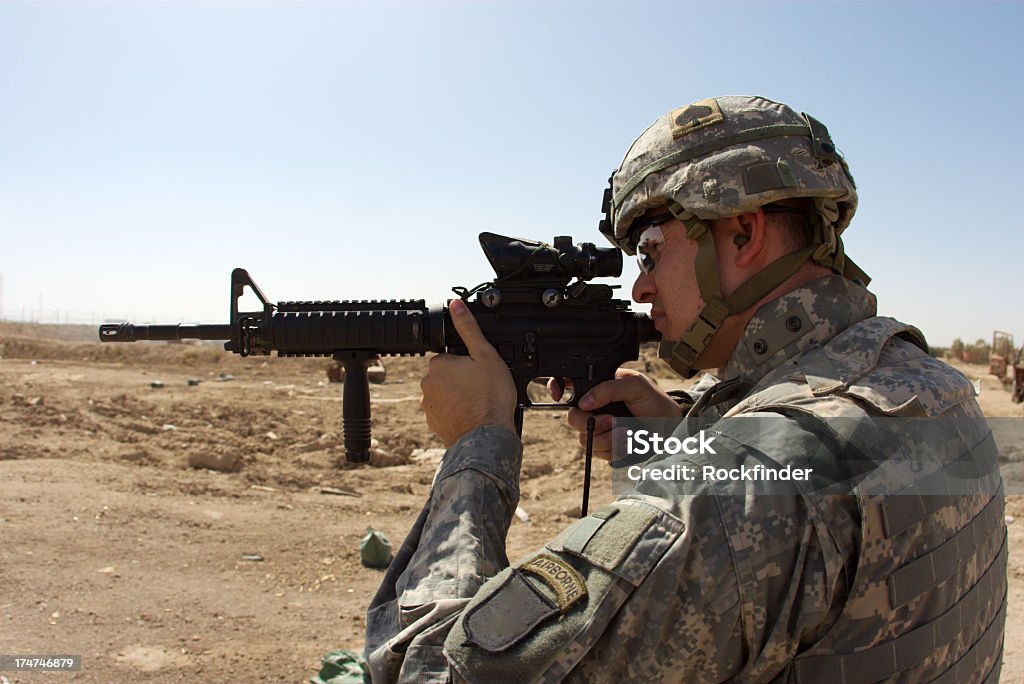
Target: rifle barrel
[(127, 332)]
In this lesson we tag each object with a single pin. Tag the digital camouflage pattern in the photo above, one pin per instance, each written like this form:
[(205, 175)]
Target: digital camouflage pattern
[(725, 156), (706, 582), (457, 543)]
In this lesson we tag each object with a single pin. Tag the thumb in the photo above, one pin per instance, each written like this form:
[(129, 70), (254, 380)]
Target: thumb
[(469, 330)]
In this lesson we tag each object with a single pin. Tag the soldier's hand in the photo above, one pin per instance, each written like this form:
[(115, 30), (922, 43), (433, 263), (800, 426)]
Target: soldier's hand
[(641, 396), (461, 393)]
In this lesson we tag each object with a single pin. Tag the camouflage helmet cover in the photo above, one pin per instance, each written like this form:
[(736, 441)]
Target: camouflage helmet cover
[(727, 156)]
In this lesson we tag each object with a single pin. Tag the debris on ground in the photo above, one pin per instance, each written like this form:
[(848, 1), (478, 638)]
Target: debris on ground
[(375, 549), (342, 667), (339, 491), (223, 461)]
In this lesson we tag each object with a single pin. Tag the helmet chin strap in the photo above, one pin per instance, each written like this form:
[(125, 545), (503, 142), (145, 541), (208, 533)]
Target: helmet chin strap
[(681, 355)]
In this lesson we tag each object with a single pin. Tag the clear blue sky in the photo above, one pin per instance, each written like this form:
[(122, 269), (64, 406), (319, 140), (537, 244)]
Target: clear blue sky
[(355, 149)]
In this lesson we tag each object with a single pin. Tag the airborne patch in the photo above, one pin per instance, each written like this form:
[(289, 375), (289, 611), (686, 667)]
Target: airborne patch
[(695, 116), (563, 579)]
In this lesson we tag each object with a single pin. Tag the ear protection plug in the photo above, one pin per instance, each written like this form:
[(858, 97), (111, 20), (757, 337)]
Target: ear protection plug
[(741, 240)]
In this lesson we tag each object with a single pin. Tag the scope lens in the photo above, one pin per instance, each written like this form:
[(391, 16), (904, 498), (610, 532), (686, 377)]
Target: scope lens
[(598, 262)]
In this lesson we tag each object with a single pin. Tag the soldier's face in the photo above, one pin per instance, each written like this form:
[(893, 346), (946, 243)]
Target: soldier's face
[(670, 287)]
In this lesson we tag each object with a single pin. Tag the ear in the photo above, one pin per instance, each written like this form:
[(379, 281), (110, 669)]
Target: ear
[(749, 237)]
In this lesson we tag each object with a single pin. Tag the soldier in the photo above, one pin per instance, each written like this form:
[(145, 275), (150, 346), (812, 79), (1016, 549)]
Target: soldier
[(887, 564)]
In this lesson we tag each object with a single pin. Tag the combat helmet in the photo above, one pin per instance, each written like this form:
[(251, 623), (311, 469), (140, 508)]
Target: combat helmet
[(723, 157)]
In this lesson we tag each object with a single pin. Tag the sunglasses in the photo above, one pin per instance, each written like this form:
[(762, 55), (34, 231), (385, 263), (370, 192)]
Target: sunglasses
[(651, 240)]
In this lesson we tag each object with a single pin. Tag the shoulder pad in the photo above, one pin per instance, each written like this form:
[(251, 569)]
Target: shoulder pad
[(880, 363), (885, 364)]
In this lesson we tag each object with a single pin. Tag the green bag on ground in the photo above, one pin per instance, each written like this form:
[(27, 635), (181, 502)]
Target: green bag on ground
[(375, 549), (342, 667)]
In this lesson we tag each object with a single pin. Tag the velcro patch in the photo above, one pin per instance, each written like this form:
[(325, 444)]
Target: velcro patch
[(563, 579), (695, 116), (507, 616)]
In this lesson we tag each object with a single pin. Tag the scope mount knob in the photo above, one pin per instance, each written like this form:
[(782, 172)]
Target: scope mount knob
[(552, 297), (491, 297)]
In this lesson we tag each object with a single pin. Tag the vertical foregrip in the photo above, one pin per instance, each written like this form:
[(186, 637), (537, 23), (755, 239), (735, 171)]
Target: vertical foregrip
[(356, 424)]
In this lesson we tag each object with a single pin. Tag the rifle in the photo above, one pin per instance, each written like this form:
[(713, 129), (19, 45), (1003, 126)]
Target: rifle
[(541, 324)]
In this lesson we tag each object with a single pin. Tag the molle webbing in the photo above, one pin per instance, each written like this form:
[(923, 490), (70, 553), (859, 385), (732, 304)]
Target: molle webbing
[(913, 648), (942, 563), (909, 507), (772, 131), (990, 642)]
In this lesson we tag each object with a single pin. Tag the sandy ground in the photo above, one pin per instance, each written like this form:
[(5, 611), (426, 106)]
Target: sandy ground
[(113, 548)]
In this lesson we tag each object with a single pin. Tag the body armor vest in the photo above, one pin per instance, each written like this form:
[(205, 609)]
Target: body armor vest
[(927, 583)]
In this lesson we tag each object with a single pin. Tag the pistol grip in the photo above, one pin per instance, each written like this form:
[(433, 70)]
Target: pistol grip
[(616, 408)]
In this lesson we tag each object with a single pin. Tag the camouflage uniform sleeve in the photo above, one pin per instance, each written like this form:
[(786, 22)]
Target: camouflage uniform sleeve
[(673, 582), (457, 542)]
